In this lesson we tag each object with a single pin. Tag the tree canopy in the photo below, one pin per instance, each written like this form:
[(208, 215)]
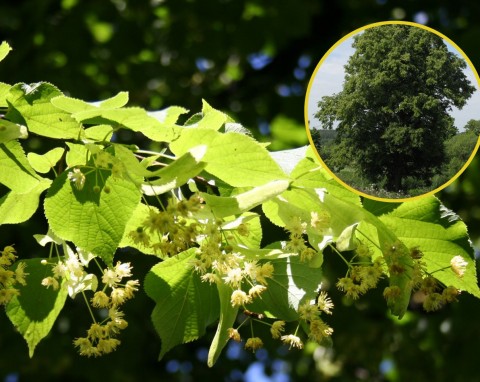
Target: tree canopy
[(474, 126), (393, 112)]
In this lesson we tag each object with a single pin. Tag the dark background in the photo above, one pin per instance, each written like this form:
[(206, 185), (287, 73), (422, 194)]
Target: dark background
[(252, 59)]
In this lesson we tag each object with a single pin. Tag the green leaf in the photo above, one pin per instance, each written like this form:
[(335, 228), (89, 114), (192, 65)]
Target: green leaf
[(134, 171), (293, 283), (77, 106), (10, 131), (71, 105), (4, 89), (159, 126), (177, 173), (115, 102), (211, 118), (17, 208), (4, 50), (44, 163), (99, 132), (30, 105), (16, 173), (226, 206), (185, 305), (35, 310), (227, 318), (94, 221), (77, 155), (237, 159)]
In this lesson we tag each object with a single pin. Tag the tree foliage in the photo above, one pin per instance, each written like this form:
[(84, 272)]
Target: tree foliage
[(474, 126), (393, 112), (54, 41), (194, 207)]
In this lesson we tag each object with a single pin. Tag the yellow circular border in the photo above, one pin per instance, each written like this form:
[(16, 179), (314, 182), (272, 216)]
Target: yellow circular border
[(307, 95)]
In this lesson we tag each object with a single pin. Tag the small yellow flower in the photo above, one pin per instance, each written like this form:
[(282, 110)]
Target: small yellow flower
[(83, 344), (8, 256), (450, 294), (319, 330), (307, 254), (50, 282), (433, 302), (459, 265), (100, 300), (296, 244), (264, 272), (344, 283), (391, 293), (96, 331), (116, 318), (110, 277), (243, 229), (296, 227), (6, 277), (324, 303), (103, 159), (234, 277), (251, 268), (107, 345), (123, 269), (7, 294), (60, 270), (139, 236), (77, 177), (239, 298), (429, 285), (256, 290), (370, 275), (117, 296), (320, 220), (308, 312), (277, 328), (20, 273), (292, 341), (253, 344), (212, 278), (234, 334), (363, 251), (130, 287)]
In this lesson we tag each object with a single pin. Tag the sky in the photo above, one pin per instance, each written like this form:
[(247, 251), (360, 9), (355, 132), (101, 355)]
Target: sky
[(330, 75)]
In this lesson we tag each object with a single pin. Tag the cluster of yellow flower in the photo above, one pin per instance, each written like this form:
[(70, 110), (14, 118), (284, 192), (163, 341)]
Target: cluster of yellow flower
[(177, 228), (70, 272), (169, 232), (100, 337), (235, 272), (308, 312), (9, 278), (361, 278), (296, 244), (396, 260)]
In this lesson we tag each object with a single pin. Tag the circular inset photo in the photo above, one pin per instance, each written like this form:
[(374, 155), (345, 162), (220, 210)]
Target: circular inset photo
[(392, 110)]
